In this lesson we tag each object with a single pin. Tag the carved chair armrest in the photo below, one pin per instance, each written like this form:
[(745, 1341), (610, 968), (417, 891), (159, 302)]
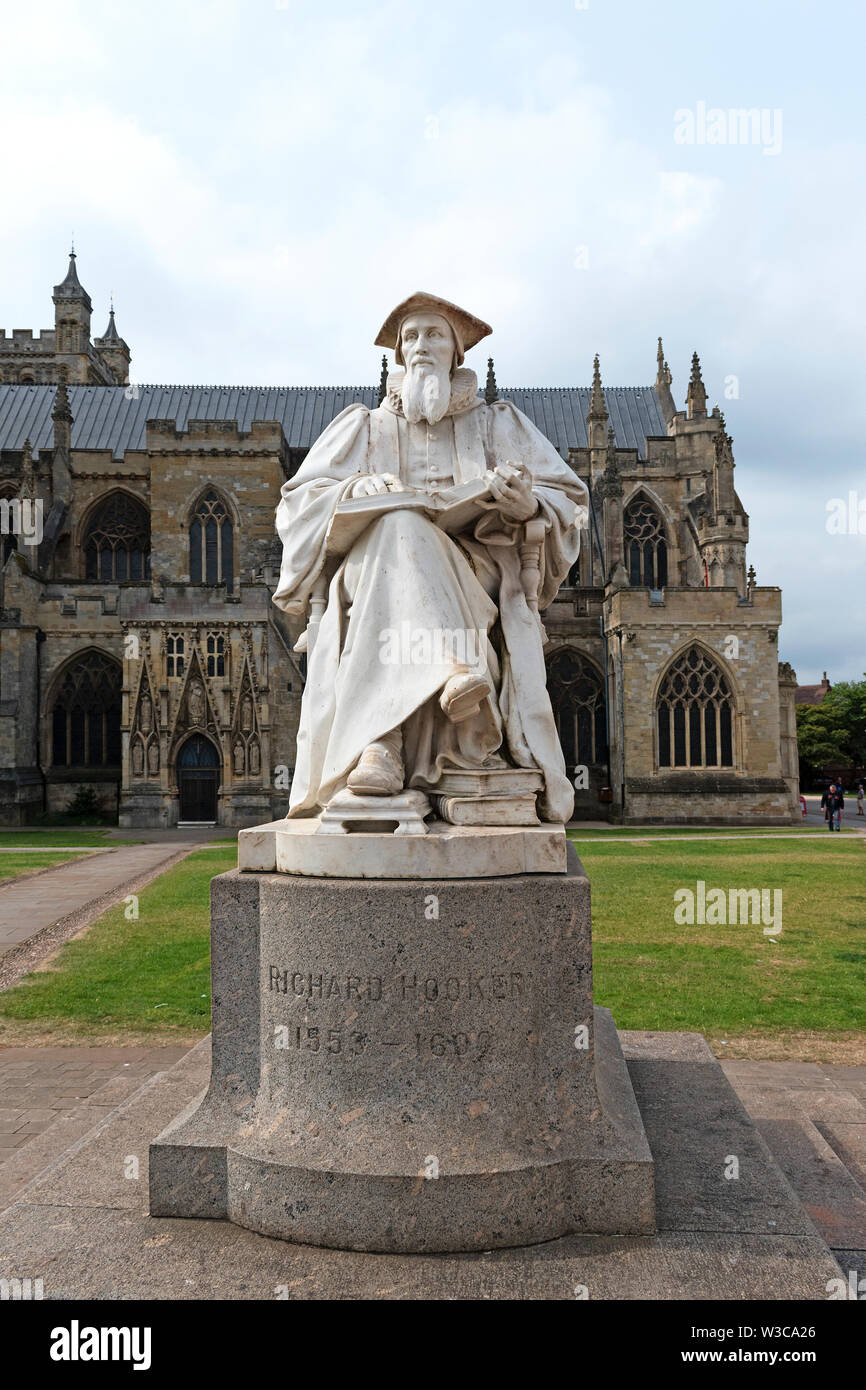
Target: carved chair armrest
[(316, 607), (530, 559), (530, 565)]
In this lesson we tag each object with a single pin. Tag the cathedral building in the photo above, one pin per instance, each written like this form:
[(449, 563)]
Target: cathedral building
[(141, 656)]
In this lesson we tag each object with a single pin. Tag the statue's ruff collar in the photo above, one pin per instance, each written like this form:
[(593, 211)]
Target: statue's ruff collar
[(464, 391)]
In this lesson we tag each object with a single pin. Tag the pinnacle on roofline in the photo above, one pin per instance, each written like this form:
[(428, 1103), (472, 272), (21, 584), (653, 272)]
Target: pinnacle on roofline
[(62, 409), (597, 406), (696, 395), (663, 374), (491, 390)]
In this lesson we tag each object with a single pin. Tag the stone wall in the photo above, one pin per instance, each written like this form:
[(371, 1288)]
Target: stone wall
[(741, 636)]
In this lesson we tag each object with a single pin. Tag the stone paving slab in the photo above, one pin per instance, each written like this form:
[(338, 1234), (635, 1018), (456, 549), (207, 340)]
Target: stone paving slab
[(79, 1162), (833, 1199), (51, 1096), (849, 1142), (82, 1226), (109, 1253), (813, 1117), (794, 1075)]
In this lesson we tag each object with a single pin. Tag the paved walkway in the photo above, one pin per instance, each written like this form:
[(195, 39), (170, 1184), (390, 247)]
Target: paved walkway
[(51, 1096), (28, 907), (812, 1117)]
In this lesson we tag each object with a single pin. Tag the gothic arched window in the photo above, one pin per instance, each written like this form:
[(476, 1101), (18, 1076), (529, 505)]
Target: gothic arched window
[(174, 658), (117, 540), (577, 697), (216, 654), (695, 712), (646, 551), (211, 542), (85, 717)]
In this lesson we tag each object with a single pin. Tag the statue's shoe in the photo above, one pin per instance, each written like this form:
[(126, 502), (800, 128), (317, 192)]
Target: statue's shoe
[(463, 695), (379, 772)]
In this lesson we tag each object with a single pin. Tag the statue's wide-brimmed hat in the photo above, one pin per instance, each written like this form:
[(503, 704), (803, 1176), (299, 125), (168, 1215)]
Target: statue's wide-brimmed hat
[(468, 330)]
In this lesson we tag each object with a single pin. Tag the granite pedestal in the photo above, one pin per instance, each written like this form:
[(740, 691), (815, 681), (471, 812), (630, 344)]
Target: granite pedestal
[(408, 1066)]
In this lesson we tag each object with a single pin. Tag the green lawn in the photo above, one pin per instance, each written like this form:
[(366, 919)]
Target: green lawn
[(631, 832), (11, 865), (731, 980), (141, 980), (58, 835), (148, 980)]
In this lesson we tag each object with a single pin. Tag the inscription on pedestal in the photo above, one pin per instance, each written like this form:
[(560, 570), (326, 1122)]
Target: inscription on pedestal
[(405, 999), (319, 984)]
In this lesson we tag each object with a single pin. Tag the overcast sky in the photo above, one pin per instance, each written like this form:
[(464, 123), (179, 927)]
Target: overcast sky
[(258, 183)]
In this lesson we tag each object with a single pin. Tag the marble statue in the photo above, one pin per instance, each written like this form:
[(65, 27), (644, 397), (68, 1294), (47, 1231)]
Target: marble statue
[(420, 541)]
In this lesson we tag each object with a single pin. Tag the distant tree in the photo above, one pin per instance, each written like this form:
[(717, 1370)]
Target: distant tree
[(847, 702), (84, 805), (834, 731)]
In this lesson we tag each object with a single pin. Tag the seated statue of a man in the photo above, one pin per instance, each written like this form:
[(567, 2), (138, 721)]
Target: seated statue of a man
[(378, 725)]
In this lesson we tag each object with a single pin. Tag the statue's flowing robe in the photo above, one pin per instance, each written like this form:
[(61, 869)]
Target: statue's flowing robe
[(405, 574)]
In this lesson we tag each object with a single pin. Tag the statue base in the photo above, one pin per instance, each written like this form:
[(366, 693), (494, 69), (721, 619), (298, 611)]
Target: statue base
[(439, 851), (408, 1067)]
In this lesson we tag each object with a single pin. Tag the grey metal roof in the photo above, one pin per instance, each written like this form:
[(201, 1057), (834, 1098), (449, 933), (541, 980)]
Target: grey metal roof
[(560, 412), (105, 417)]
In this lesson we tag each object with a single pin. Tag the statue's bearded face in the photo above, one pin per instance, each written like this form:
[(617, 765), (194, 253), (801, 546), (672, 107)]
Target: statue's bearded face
[(428, 348)]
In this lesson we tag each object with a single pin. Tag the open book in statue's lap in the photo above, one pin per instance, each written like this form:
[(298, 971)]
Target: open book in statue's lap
[(421, 539)]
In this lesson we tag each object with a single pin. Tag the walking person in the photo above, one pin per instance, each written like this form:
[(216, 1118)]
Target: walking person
[(835, 807), (860, 796)]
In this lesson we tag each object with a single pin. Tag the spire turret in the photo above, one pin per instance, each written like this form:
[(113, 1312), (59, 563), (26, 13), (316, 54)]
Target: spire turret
[(72, 311), (114, 350), (71, 287), (111, 334)]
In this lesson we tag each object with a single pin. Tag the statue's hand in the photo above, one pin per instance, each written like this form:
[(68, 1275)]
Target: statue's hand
[(511, 486), (371, 484)]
